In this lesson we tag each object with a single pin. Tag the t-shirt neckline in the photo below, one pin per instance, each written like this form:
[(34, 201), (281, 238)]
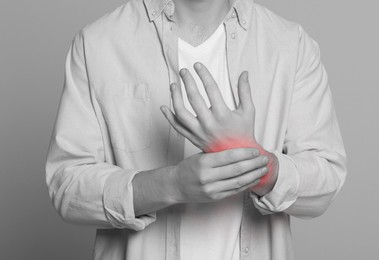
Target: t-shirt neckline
[(204, 45)]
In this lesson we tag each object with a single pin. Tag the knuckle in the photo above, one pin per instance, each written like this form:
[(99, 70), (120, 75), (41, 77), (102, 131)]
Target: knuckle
[(171, 119), (237, 184), (252, 154), (241, 189), (178, 109), (214, 196), (200, 172), (225, 117), (222, 117), (208, 124), (203, 179), (202, 160), (208, 191), (191, 96), (180, 116), (208, 128), (237, 169)]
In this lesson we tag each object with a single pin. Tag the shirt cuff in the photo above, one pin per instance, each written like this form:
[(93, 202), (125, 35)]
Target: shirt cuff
[(285, 190), (118, 202)]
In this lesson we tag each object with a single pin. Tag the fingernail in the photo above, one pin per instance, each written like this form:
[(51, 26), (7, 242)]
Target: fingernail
[(172, 86), (182, 72), (163, 109), (245, 76), (265, 159), (264, 170), (197, 65)]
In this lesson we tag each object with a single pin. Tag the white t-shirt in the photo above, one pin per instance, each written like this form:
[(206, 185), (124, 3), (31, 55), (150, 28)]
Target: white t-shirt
[(209, 230)]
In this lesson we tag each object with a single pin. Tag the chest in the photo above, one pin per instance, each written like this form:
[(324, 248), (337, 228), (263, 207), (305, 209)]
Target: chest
[(132, 81), (195, 34)]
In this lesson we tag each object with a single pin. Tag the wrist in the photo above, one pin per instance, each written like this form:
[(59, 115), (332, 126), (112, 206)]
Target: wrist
[(153, 190), (267, 182), (232, 143)]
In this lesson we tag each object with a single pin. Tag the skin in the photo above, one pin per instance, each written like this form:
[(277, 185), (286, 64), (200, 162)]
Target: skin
[(203, 177), (198, 19), (217, 128), (216, 173)]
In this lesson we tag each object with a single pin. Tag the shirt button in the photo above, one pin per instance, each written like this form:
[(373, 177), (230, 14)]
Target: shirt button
[(154, 13), (233, 35), (233, 14), (246, 250), (243, 21)]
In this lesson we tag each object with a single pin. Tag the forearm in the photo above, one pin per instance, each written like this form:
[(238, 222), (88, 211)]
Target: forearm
[(154, 190), (96, 194)]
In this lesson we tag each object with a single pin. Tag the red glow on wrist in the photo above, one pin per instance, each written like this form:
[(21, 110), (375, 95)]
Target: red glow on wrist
[(245, 143), (233, 143)]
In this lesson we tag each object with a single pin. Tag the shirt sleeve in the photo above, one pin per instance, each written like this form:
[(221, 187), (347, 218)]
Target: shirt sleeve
[(84, 188), (312, 165)]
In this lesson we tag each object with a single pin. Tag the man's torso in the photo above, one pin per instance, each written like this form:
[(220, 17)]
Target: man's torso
[(131, 57)]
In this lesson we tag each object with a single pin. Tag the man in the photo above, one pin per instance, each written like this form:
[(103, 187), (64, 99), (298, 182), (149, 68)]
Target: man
[(249, 138)]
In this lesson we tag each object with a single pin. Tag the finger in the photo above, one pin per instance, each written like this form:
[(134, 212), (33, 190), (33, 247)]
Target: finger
[(232, 171), (177, 125), (194, 97), (182, 114), (214, 95), (230, 156), (241, 181), (244, 92), (229, 193)]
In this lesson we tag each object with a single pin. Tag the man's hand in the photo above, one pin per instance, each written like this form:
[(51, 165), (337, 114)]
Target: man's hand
[(213, 176), (217, 128)]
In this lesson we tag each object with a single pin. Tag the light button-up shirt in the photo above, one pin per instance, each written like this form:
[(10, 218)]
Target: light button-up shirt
[(109, 127)]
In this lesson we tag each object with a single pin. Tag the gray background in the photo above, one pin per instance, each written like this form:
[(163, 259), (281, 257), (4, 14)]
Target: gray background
[(34, 40)]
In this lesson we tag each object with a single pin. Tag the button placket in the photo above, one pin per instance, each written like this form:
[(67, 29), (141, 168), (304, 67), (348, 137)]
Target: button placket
[(246, 229), (232, 55), (168, 39)]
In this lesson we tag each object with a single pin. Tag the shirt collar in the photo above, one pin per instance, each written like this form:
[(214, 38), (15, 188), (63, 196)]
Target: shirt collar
[(241, 7)]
